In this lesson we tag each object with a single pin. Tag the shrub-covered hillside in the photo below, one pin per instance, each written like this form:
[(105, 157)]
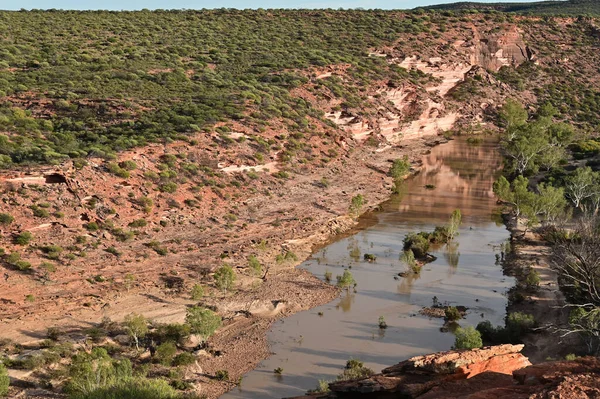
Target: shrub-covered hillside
[(77, 83), (569, 7)]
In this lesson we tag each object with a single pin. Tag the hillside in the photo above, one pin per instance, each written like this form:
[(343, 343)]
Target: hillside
[(148, 157), (567, 7)]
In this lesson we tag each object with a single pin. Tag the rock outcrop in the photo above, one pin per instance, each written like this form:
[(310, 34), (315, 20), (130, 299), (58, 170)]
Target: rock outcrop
[(492, 372)]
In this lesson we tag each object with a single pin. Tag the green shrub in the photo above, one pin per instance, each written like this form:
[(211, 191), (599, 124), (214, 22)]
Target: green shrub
[(467, 338), (197, 292), (138, 223), (355, 369), (169, 187), (177, 333), (203, 322), (165, 353), (224, 278), (92, 226), (356, 204), (6, 219), (23, 238), (222, 375), (346, 280), (452, 314), (254, 265), (4, 380), (519, 323), (532, 281), (132, 388), (116, 170), (184, 359), (418, 244)]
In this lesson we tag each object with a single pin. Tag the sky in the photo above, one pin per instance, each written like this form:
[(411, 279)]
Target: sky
[(198, 4)]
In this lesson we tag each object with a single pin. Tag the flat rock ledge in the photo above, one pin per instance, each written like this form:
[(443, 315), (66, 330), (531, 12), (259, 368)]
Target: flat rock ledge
[(498, 372)]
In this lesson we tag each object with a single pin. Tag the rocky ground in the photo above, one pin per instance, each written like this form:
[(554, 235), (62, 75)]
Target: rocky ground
[(490, 372)]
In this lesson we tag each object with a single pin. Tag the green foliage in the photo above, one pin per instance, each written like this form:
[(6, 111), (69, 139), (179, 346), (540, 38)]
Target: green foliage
[(6, 219), (467, 338), (184, 359), (254, 265), (136, 326), (23, 238), (138, 223), (203, 322), (346, 280), (356, 204), (454, 224), (177, 333), (165, 353), (355, 369), (224, 278), (132, 388), (519, 323), (93, 371), (452, 314), (417, 243), (532, 281), (222, 375), (381, 323), (4, 381), (197, 292)]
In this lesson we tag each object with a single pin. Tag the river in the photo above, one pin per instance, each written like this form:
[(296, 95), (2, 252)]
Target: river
[(315, 345)]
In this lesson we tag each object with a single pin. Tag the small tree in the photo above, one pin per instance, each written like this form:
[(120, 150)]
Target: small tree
[(197, 292), (356, 204), (203, 322), (4, 381), (454, 224), (137, 327), (346, 280), (254, 265), (224, 278), (467, 338)]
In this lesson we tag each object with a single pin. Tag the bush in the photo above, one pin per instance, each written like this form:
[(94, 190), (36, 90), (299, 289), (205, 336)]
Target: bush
[(346, 280), (255, 265), (356, 204), (467, 338), (165, 353), (532, 281), (6, 219), (172, 332), (197, 292), (224, 278), (23, 238), (4, 381), (452, 314), (222, 375), (519, 323), (138, 223), (354, 369), (203, 322), (418, 244), (133, 388), (184, 359)]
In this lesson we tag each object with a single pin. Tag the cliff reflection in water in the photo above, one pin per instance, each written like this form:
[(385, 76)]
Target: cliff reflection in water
[(461, 175)]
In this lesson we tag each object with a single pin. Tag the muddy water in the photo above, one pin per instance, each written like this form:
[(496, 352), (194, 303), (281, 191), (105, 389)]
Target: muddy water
[(309, 346)]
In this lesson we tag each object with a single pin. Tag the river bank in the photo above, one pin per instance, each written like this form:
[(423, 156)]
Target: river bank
[(318, 213)]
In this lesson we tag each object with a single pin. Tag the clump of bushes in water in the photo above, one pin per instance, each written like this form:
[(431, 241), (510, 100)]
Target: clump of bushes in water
[(419, 243), (517, 324), (354, 369)]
